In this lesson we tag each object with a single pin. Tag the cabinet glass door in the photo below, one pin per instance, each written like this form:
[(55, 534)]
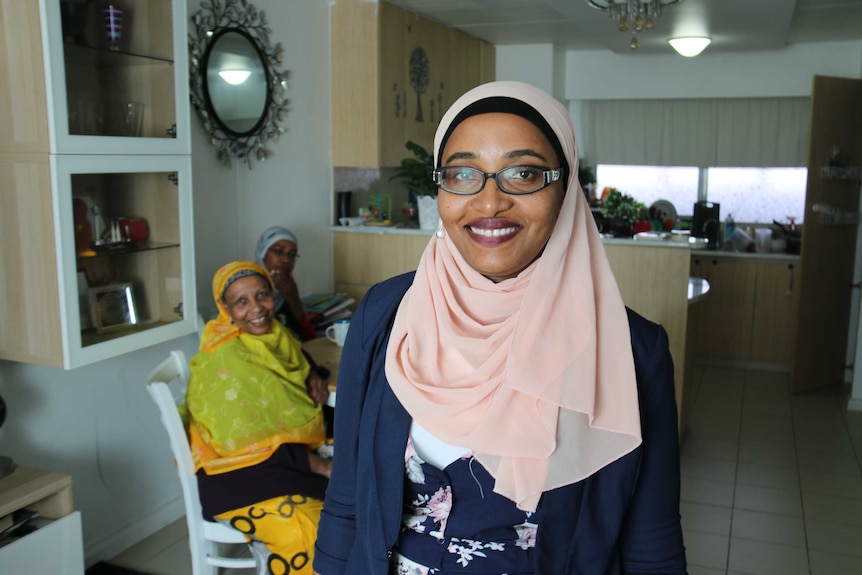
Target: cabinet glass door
[(117, 69), (126, 248)]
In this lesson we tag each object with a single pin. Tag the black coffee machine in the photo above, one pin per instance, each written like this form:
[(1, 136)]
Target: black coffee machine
[(706, 223)]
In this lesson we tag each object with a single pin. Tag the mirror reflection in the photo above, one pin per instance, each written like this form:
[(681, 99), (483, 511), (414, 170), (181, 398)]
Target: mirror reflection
[(236, 82)]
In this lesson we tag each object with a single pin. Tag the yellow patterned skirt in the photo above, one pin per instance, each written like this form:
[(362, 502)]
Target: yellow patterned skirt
[(286, 525)]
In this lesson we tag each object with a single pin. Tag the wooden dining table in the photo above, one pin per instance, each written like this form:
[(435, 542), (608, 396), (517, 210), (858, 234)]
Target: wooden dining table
[(326, 354)]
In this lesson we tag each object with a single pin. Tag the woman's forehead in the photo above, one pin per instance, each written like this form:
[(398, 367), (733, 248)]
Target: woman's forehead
[(244, 284), (284, 244)]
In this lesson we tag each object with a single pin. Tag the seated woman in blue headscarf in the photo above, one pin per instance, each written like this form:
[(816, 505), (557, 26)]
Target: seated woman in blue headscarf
[(277, 250)]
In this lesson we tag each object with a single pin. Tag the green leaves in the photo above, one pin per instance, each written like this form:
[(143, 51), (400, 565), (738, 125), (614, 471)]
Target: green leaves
[(415, 172), (618, 204)]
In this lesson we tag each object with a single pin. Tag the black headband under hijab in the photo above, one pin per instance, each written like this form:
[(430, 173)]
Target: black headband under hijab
[(505, 105), (243, 273)]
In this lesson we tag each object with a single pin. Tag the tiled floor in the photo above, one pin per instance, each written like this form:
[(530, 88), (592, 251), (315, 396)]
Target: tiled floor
[(771, 484)]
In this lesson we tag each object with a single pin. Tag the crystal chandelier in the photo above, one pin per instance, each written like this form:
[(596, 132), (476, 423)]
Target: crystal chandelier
[(633, 15)]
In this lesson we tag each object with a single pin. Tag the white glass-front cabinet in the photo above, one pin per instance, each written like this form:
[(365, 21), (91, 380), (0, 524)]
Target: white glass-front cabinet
[(95, 177), (129, 93)]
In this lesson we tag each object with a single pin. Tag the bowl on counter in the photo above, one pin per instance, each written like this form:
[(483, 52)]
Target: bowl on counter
[(351, 221)]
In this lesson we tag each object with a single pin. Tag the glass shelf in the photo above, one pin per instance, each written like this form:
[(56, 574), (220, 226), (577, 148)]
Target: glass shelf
[(80, 54), (111, 250), (92, 337)]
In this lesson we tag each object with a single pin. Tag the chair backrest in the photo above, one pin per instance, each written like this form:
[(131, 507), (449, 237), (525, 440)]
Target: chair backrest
[(202, 533)]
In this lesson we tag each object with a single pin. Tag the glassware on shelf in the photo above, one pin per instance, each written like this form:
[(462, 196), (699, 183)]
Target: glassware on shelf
[(113, 25), (133, 118)]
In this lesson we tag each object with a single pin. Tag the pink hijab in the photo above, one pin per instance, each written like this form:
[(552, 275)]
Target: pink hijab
[(535, 373)]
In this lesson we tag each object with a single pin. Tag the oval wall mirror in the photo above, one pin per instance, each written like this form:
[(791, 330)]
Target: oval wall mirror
[(237, 84), (235, 81)]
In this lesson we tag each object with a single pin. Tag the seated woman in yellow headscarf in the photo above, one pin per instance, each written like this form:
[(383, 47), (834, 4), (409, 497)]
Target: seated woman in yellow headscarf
[(255, 421)]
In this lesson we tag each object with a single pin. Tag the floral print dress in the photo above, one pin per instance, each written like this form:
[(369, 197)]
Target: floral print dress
[(453, 522)]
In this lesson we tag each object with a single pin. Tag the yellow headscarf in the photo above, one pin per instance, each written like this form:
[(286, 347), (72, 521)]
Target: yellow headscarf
[(247, 393)]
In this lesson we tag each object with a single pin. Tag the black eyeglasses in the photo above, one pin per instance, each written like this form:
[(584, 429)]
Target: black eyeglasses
[(515, 180), (284, 254)]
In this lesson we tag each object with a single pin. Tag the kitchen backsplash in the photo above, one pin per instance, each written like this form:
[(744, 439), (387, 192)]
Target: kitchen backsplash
[(365, 181)]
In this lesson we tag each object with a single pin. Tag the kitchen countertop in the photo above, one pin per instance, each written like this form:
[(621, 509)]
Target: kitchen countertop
[(394, 230), (399, 229), (747, 256)]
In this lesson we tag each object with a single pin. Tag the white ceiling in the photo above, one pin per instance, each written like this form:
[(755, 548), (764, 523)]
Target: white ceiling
[(733, 25)]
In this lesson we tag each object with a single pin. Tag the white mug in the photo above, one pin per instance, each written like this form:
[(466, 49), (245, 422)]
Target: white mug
[(337, 332)]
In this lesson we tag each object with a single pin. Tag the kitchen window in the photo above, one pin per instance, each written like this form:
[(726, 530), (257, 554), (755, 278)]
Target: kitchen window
[(752, 195)]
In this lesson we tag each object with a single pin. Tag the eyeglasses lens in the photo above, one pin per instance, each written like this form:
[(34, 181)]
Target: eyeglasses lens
[(512, 180), (280, 253)]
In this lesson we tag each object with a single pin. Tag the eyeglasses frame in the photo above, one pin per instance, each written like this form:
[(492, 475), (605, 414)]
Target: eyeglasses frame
[(550, 176), (284, 254)]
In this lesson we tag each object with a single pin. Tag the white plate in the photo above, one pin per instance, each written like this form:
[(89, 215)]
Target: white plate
[(663, 210)]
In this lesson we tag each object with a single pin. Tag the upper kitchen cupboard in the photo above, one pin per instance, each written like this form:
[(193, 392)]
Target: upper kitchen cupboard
[(95, 165), (394, 73)]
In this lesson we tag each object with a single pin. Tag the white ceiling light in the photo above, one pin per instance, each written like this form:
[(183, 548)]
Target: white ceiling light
[(234, 77), (689, 47), (633, 15)]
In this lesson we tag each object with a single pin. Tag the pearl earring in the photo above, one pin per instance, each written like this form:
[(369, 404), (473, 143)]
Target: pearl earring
[(440, 233)]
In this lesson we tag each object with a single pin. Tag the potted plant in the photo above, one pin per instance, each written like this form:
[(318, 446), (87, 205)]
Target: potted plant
[(415, 174), (620, 210)]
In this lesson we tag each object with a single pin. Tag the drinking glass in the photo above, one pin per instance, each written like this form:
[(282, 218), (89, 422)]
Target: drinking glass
[(113, 25)]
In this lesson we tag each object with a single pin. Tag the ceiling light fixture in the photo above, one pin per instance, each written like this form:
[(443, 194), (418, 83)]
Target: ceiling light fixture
[(633, 15), (689, 47), (234, 77)]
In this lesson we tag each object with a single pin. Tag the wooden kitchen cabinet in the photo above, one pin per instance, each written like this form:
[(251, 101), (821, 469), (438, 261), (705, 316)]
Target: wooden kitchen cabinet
[(429, 90), (750, 312), (93, 135), (393, 89), (364, 259), (724, 317), (776, 312), (379, 98)]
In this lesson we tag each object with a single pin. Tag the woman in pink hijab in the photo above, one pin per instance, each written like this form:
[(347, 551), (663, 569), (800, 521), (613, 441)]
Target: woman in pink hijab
[(500, 410)]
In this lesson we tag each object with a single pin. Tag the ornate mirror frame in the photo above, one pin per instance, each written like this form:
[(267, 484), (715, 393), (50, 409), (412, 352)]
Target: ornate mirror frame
[(215, 18)]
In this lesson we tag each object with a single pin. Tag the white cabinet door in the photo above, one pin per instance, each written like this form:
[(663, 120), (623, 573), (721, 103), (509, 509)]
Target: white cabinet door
[(56, 548), (124, 97), (134, 287)]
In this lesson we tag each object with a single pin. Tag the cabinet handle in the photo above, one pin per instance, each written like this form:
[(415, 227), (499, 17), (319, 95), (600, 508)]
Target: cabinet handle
[(172, 131), (790, 281)]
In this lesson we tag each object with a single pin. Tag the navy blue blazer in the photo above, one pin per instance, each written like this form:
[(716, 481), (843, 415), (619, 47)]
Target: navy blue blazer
[(623, 519)]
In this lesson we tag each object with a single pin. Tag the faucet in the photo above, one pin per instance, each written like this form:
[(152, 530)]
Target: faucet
[(712, 239)]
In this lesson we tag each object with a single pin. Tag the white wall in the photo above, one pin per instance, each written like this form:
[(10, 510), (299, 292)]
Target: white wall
[(588, 75), (531, 63), (605, 75), (97, 423)]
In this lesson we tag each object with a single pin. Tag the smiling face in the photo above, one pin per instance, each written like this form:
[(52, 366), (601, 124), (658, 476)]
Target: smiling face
[(250, 304), (499, 234)]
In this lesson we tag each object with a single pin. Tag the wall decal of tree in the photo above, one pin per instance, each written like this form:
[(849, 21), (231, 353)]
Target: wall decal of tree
[(420, 71)]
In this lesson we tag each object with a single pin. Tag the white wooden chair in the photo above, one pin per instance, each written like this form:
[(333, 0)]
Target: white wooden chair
[(204, 536)]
